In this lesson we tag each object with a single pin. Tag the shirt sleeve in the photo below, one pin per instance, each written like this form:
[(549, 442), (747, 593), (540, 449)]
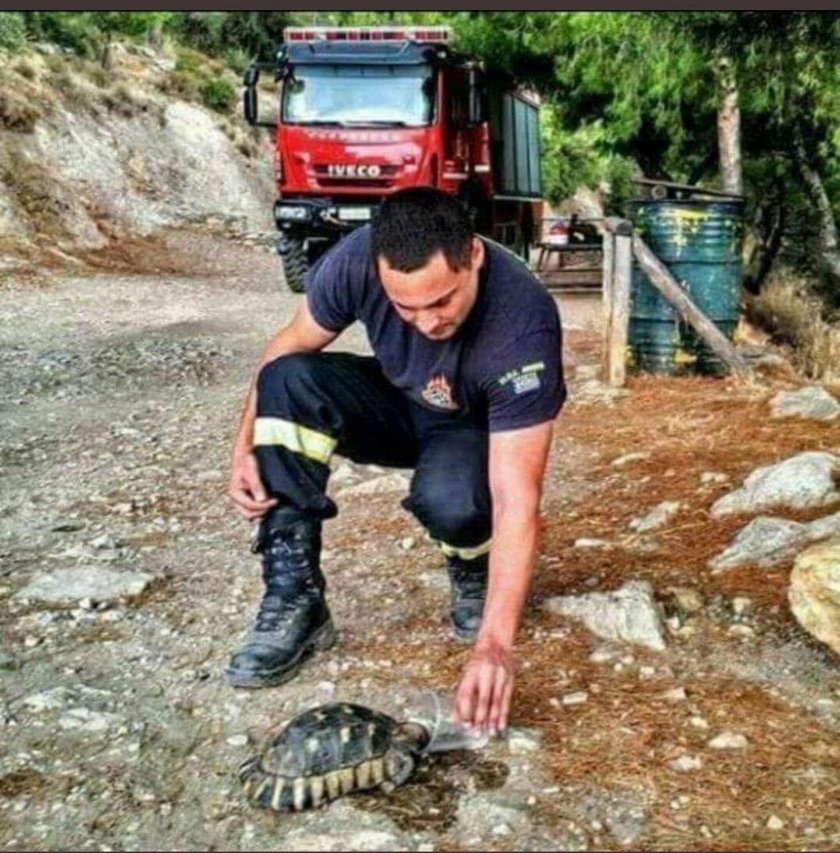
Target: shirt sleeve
[(332, 289), (526, 385)]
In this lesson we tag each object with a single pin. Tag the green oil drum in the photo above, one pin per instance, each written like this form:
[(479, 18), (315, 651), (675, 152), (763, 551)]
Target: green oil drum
[(699, 241)]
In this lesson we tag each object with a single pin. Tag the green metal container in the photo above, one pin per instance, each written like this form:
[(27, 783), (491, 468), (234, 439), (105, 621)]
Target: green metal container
[(700, 243)]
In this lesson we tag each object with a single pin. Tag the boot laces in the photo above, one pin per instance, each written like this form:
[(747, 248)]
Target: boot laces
[(468, 582), (275, 613), (286, 589)]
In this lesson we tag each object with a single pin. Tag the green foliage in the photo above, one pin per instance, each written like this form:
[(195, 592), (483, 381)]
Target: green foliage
[(638, 93), (256, 34), (73, 31), (12, 32), (218, 94)]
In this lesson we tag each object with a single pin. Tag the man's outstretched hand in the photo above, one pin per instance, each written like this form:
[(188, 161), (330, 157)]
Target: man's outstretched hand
[(482, 699), (246, 489)]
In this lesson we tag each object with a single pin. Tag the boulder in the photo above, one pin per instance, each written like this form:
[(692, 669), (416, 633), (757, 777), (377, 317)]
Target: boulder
[(803, 481), (814, 592), (809, 402), (765, 542), (768, 542), (98, 584), (628, 614)]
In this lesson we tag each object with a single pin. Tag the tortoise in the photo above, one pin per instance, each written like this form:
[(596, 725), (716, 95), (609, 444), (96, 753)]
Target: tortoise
[(330, 751)]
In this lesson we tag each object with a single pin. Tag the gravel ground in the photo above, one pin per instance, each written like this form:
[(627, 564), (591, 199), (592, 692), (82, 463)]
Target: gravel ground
[(122, 391), (121, 394)]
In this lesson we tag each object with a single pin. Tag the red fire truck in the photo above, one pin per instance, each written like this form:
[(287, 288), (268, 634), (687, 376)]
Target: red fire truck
[(366, 111)]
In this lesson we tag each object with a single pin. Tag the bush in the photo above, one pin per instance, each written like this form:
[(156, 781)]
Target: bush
[(237, 59), (218, 95), (790, 311), (17, 113), (75, 31), (12, 32), (180, 85), (26, 70)]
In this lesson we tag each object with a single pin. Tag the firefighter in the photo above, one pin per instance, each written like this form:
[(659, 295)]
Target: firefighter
[(463, 387)]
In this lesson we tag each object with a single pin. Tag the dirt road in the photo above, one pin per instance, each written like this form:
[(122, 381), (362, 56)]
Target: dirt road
[(121, 391)]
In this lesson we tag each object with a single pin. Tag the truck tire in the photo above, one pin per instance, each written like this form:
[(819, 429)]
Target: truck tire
[(295, 263)]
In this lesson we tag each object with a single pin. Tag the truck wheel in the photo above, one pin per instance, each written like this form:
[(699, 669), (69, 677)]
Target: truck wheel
[(295, 263)]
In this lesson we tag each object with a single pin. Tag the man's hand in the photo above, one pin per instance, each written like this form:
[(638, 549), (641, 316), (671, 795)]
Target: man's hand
[(482, 699), (246, 489)]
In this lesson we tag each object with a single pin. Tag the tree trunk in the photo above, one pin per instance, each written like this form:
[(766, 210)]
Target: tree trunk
[(729, 128), (769, 225), (828, 242), (155, 35), (106, 60)]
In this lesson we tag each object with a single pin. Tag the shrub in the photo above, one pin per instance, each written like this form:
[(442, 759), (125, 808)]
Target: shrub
[(75, 31), (26, 70), (17, 114), (237, 59), (790, 311), (218, 95), (12, 32), (180, 85)]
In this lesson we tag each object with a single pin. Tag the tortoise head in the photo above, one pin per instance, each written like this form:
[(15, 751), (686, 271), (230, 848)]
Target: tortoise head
[(413, 735)]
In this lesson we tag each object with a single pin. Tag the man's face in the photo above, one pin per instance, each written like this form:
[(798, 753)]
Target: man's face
[(434, 299)]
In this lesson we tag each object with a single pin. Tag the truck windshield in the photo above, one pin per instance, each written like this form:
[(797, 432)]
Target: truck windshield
[(358, 95)]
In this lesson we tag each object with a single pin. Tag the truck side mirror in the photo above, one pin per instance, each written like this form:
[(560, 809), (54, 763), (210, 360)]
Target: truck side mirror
[(252, 75), (249, 103)]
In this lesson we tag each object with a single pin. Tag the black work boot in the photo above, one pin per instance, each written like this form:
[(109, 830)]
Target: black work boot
[(469, 589), (293, 619)]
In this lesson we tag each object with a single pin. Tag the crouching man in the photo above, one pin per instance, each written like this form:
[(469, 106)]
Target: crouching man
[(463, 387)]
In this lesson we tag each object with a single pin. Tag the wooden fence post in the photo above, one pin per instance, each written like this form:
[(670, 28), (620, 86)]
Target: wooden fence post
[(618, 270), (606, 291)]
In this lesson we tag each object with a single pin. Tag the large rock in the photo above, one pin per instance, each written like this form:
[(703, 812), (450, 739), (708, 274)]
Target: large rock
[(66, 586), (814, 592), (768, 542), (805, 480), (628, 614), (810, 402)]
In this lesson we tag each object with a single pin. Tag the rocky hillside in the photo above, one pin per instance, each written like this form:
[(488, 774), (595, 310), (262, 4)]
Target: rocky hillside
[(89, 155)]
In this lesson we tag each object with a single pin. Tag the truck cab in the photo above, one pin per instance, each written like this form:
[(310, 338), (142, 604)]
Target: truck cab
[(363, 112)]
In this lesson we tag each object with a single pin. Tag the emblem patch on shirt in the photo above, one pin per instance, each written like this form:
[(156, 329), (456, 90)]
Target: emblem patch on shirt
[(523, 379), (438, 393)]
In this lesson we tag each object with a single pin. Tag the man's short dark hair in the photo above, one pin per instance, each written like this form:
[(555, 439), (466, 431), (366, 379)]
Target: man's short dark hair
[(414, 224)]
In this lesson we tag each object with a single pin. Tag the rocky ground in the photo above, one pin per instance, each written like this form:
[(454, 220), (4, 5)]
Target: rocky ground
[(701, 717)]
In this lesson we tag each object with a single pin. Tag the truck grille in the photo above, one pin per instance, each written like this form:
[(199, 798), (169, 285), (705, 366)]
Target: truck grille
[(327, 178), (344, 183)]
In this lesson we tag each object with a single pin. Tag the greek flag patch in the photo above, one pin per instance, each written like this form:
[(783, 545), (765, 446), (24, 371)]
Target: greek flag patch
[(524, 379)]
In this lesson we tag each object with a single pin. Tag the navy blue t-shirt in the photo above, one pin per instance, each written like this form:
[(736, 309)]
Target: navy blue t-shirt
[(502, 368)]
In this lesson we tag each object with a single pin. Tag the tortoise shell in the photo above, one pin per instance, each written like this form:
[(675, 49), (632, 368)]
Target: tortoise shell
[(329, 751)]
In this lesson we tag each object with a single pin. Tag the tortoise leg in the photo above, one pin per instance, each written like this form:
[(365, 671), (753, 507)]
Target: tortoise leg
[(399, 765)]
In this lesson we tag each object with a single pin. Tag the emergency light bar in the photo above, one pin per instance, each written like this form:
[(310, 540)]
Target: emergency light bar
[(438, 35)]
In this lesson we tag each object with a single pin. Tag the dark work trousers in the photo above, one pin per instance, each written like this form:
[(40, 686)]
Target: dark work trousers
[(311, 405)]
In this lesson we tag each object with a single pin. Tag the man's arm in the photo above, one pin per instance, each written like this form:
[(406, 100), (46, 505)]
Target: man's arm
[(517, 467), (246, 490)]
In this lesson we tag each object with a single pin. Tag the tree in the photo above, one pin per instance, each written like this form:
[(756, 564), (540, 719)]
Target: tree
[(695, 97)]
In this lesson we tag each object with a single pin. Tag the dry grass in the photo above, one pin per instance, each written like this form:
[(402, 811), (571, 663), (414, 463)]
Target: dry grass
[(793, 314)]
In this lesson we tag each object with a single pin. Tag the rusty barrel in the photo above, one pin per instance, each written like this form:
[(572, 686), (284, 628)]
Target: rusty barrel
[(699, 241)]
